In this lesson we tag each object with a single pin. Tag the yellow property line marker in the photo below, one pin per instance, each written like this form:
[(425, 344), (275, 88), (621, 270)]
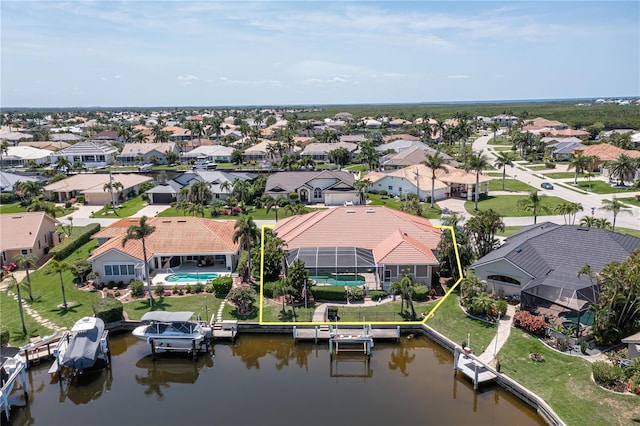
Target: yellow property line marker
[(424, 320)]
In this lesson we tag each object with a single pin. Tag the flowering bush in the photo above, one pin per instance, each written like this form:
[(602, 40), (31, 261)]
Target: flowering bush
[(534, 324), (9, 268)]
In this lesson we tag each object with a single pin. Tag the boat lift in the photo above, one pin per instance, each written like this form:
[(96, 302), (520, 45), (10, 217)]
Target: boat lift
[(13, 369)]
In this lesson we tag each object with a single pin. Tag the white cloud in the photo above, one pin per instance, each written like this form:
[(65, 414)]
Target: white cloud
[(394, 75), (258, 82), (458, 76), (189, 77)]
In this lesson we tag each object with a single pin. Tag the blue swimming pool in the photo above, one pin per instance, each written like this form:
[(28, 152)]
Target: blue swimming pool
[(339, 279), (191, 277)]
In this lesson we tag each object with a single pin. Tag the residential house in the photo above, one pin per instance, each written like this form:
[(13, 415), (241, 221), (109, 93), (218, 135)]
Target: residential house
[(400, 136), (365, 240), (320, 151), (92, 186), (604, 153), (221, 184), (48, 145), (65, 137), (561, 149), (505, 120), (357, 139), (328, 187), (540, 122), (9, 180), (107, 136), (91, 153), (401, 145), (18, 156), (141, 153), (411, 157), (261, 152), (176, 242), (417, 180), (28, 234), (213, 153), (541, 265)]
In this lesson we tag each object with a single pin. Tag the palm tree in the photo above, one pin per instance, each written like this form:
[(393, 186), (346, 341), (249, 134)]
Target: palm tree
[(281, 289), (624, 168), (405, 288), (588, 221), (434, 162), (62, 163), (268, 202), (504, 159), (140, 232), (48, 207), (465, 130), (362, 185), (569, 211), (57, 267), (494, 126), (247, 233), (478, 162), (369, 155), (580, 163), (614, 206), (533, 204), (28, 189), (12, 282), (26, 261), (200, 195)]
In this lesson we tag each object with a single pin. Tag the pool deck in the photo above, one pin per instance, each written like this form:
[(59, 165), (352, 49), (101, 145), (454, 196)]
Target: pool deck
[(161, 277)]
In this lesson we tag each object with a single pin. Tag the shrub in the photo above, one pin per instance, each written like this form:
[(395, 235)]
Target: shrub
[(79, 238), (175, 289), (607, 374), (328, 292), (109, 309), (355, 294), (198, 288), (383, 192), (188, 289), (267, 289), (158, 290), (209, 288), (377, 294), (533, 324), (137, 288), (243, 298), (501, 305), (420, 293), (5, 335), (222, 285), (6, 198)]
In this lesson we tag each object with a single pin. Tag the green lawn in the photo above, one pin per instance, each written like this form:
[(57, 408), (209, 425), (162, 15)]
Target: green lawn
[(11, 319), (630, 200), (357, 167), (509, 231), (563, 175), (129, 208), (197, 303), (272, 312), (565, 383), (393, 203), (502, 148), (499, 141), (509, 185), (599, 187), (12, 208), (257, 214), (387, 312), (538, 167), (451, 321), (506, 205), (629, 231)]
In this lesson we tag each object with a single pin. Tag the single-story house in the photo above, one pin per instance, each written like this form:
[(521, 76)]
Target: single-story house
[(604, 153), (417, 180), (221, 184), (8, 180), (541, 265), (90, 153), (20, 155), (164, 193), (65, 137), (215, 153), (52, 145), (543, 122), (91, 185), (320, 151), (360, 239), (174, 243), (31, 233), (562, 148), (137, 153), (329, 187), (412, 157), (261, 151), (15, 137), (399, 145)]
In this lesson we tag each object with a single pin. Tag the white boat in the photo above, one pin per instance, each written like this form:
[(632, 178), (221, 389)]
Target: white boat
[(172, 331), (80, 348)]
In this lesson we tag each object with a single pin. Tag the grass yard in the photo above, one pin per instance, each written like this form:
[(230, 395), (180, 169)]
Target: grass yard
[(538, 167), (48, 295), (12, 208), (509, 231), (628, 231), (499, 141), (630, 200), (509, 185), (565, 383), (393, 203), (451, 321), (386, 312), (272, 312), (129, 208), (506, 205), (599, 187), (10, 318), (202, 304), (563, 175)]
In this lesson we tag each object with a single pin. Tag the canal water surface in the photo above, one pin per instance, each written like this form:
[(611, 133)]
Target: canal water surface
[(267, 380)]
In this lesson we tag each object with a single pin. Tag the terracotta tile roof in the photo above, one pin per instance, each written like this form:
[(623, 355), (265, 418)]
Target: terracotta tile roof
[(20, 230), (453, 175), (361, 226), (403, 136), (174, 236), (607, 152), (116, 228), (400, 248)]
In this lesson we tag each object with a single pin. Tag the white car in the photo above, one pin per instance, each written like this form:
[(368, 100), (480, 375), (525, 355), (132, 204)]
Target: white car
[(348, 203)]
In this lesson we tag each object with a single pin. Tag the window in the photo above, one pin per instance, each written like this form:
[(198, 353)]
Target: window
[(119, 269), (24, 251), (504, 279), (317, 193), (390, 188)]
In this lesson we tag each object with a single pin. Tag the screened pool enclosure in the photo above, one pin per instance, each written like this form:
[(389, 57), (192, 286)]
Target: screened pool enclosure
[(338, 261)]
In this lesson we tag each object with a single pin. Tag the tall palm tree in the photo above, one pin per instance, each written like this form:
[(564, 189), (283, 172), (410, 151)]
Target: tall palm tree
[(369, 155), (26, 261), (200, 194), (362, 185), (57, 267), (624, 168), (269, 203), (28, 189), (140, 232), (12, 282), (247, 233), (465, 130), (434, 162), (580, 163), (504, 159), (405, 288), (477, 163), (4, 149), (568, 211), (533, 204), (588, 221), (614, 206), (494, 126)]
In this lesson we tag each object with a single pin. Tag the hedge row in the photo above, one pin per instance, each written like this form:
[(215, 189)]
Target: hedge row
[(108, 309), (76, 240), (328, 292)]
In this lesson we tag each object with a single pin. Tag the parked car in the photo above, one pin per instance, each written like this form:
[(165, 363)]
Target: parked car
[(546, 185)]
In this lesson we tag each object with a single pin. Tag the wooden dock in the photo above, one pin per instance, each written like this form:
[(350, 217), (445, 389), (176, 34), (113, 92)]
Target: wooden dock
[(40, 350), (225, 330), (471, 367)]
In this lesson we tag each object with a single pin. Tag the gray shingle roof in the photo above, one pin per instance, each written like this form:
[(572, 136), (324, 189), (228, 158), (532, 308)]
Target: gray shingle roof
[(290, 181)]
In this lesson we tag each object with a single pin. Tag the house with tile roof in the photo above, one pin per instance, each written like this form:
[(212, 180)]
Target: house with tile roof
[(361, 239), (31, 233), (328, 187), (320, 151), (417, 180), (91, 185), (540, 264), (142, 153), (90, 153), (604, 153), (176, 242), (52, 145), (411, 157)]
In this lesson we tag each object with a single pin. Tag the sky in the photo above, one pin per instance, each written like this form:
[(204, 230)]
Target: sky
[(234, 53)]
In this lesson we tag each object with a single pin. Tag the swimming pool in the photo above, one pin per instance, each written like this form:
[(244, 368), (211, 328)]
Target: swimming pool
[(339, 279), (190, 277)]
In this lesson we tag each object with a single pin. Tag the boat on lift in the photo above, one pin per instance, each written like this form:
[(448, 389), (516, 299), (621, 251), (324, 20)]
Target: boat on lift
[(173, 331)]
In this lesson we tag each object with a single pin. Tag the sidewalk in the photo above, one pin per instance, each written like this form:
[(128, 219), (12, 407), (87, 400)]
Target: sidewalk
[(504, 329)]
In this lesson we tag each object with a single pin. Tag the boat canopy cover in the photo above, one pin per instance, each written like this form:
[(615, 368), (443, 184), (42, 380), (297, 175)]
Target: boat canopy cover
[(160, 316), (84, 347)]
